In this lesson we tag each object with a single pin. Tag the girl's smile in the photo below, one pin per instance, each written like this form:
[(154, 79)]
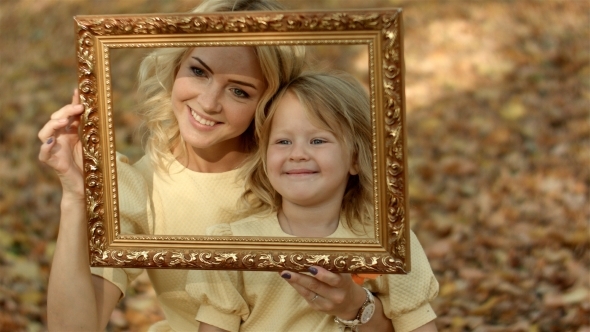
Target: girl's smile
[(300, 172)]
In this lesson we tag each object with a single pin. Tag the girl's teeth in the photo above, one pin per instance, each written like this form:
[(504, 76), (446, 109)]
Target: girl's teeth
[(201, 120)]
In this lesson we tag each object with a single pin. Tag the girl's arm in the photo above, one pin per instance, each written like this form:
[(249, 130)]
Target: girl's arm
[(76, 300)]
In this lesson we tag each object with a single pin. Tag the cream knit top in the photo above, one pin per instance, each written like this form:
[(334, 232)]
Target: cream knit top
[(179, 203)]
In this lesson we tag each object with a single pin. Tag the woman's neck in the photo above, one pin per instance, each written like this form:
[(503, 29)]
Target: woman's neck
[(309, 222), (210, 161)]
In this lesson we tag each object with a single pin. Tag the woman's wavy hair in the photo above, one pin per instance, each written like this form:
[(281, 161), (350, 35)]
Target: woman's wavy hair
[(335, 102), (158, 71)]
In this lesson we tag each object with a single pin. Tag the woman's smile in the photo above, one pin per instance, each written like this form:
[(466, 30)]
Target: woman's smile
[(201, 119)]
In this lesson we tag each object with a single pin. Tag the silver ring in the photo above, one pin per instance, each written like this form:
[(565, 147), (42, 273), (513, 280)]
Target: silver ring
[(315, 297)]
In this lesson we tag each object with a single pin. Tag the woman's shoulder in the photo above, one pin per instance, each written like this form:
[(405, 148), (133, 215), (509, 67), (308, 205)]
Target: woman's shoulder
[(127, 171), (140, 166)]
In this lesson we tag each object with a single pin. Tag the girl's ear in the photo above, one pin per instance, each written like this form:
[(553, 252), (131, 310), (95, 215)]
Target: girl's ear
[(354, 166)]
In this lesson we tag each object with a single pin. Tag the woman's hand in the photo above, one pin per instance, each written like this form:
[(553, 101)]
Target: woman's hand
[(337, 295), (61, 148), (334, 294)]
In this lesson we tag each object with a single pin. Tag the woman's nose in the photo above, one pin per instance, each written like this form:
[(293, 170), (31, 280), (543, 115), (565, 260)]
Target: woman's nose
[(209, 99)]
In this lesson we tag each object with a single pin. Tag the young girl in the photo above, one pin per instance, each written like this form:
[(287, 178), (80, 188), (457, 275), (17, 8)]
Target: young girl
[(312, 177), (199, 110)]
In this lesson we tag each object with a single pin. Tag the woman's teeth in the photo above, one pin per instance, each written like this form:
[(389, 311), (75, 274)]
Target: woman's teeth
[(201, 120)]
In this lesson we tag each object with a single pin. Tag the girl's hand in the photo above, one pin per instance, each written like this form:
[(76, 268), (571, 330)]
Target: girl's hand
[(61, 148), (334, 294)]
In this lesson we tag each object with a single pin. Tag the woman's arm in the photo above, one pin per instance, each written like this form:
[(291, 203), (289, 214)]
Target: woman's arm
[(204, 327), (337, 295), (379, 322), (428, 327), (76, 300)]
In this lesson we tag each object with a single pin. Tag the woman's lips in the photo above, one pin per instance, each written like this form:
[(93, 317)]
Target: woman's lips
[(200, 120)]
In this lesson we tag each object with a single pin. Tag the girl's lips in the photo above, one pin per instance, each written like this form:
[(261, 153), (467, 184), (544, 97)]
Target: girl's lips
[(201, 120), (300, 172)]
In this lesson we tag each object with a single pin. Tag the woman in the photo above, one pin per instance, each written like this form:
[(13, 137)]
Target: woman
[(199, 106), (199, 109)]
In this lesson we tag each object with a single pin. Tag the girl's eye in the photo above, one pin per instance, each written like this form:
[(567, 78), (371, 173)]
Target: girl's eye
[(198, 71), (240, 93), (317, 141), (283, 142)]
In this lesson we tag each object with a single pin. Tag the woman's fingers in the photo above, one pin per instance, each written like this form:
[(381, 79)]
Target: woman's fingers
[(76, 97), (61, 148), (329, 278), (321, 281), (67, 111), (51, 127), (306, 286), (337, 294), (45, 150), (66, 118)]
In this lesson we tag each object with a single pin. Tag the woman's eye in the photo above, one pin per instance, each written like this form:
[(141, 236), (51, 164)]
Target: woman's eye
[(317, 141), (198, 71), (240, 93)]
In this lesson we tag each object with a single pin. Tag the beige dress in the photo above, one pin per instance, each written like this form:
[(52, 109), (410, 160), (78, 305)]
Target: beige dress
[(262, 301)]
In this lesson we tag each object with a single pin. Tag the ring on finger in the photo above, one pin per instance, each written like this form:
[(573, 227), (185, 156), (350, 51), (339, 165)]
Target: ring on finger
[(315, 297)]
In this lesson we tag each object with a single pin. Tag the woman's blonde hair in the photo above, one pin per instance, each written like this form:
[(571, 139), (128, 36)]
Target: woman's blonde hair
[(335, 102), (158, 71)]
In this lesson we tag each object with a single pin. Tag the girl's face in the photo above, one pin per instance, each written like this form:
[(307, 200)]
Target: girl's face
[(306, 164), (214, 97)]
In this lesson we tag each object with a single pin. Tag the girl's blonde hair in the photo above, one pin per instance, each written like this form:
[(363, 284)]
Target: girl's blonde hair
[(158, 71), (335, 102)]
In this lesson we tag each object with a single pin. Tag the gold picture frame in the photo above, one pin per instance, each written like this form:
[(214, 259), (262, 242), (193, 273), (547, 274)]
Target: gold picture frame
[(380, 30)]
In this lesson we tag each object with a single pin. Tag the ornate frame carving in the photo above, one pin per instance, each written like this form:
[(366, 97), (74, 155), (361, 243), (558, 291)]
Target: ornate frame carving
[(380, 30)]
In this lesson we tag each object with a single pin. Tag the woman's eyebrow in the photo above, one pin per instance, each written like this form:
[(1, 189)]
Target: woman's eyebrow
[(233, 81), (203, 64), (243, 83)]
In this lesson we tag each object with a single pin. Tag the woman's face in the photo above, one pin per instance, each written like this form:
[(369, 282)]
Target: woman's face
[(214, 97)]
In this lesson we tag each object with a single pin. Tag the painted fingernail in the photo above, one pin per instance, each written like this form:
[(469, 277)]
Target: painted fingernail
[(313, 270), (286, 275), (49, 140)]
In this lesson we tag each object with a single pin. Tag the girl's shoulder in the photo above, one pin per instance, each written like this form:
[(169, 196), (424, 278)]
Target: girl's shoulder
[(263, 224)]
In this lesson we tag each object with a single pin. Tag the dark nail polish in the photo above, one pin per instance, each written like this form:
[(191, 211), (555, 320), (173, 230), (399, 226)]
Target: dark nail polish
[(313, 270), (286, 275), (50, 140)]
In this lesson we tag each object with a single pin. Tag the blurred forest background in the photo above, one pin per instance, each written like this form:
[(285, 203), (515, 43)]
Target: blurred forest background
[(498, 118)]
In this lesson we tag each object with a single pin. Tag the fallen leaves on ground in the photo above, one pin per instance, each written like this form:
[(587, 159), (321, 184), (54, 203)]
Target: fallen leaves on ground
[(498, 119)]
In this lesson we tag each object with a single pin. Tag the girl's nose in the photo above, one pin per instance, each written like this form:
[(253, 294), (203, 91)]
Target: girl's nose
[(209, 99), (298, 152)]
